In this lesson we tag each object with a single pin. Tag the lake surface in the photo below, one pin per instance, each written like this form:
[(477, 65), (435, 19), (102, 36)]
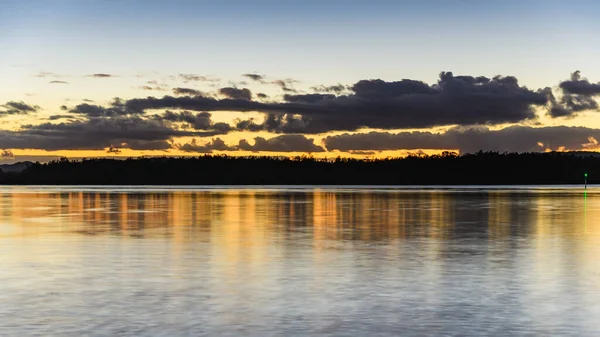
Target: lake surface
[(289, 261)]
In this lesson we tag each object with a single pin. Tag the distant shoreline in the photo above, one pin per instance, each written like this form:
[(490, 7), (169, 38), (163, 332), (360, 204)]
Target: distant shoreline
[(484, 169), (310, 186)]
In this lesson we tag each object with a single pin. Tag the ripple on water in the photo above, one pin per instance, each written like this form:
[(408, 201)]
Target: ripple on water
[(297, 262)]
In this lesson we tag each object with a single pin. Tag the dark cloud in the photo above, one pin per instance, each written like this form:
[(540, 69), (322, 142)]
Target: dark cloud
[(116, 108), (454, 100), (216, 144), (196, 103), (92, 110), (307, 98), (198, 121), (580, 86), (64, 107), (283, 143), (262, 96), (472, 139), (7, 154), (286, 85), (281, 123), (187, 91), (577, 95), (101, 75), (97, 133), (576, 103), (21, 106), (58, 82), (57, 117), (337, 89), (17, 108), (254, 77), (378, 89), (88, 100), (235, 93)]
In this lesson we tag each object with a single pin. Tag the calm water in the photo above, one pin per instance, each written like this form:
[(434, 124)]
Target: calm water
[(296, 262)]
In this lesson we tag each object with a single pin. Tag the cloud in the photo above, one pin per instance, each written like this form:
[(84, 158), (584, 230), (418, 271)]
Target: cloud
[(307, 98), (92, 110), (58, 82), (196, 103), (337, 89), (45, 74), (199, 121), (576, 103), (285, 85), (196, 78), (17, 108), (57, 117), (283, 143), (187, 91), (254, 77), (469, 140), (470, 102), (577, 95), (592, 144), (262, 96), (98, 133), (7, 154), (154, 86), (235, 93), (580, 86), (101, 75), (453, 100), (214, 145)]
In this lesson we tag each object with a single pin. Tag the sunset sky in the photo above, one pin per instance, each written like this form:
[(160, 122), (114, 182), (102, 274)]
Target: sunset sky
[(84, 78)]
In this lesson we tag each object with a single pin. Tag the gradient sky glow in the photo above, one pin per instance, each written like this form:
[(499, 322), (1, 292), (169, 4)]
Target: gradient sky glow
[(313, 42)]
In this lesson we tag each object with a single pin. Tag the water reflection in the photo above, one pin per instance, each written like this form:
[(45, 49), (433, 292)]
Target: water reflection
[(297, 262), (326, 214)]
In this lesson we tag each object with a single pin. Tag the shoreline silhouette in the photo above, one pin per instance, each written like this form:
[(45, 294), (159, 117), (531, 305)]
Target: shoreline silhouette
[(448, 168)]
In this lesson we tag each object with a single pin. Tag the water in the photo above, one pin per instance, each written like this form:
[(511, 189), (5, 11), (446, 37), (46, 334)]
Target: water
[(288, 261)]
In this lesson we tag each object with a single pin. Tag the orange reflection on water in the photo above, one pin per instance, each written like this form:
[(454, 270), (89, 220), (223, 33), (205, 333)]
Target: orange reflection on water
[(238, 219)]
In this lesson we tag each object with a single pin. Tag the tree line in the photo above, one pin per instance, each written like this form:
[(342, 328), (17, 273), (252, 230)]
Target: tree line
[(448, 168)]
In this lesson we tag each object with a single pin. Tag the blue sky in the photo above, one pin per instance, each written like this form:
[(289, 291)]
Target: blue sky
[(319, 40), (314, 42)]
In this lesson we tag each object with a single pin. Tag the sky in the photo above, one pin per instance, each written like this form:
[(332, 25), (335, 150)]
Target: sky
[(327, 78)]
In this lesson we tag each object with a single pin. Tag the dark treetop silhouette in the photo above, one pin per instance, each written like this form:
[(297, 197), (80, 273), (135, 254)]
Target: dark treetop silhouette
[(445, 169)]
